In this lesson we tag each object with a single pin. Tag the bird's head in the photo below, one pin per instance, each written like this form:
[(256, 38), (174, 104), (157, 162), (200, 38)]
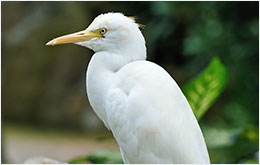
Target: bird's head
[(108, 32)]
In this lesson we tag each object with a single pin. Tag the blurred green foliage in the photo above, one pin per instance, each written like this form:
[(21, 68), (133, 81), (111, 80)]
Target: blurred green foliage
[(203, 90), (99, 157), (45, 86)]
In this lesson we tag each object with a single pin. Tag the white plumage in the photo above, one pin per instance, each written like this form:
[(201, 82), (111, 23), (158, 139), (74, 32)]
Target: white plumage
[(136, 99)]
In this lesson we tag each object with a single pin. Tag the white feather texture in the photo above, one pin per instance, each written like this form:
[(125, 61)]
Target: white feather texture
[(138, 100)]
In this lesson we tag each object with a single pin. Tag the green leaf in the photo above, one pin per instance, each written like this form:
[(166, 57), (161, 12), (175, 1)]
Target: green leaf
[(99, 157), (249, 161), (79, 160), (203, 90)]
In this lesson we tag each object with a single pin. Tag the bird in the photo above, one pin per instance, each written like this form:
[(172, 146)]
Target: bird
[(136, 99)]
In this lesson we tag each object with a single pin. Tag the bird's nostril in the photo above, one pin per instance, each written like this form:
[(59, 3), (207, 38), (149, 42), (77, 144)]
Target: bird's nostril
[(80, 34)]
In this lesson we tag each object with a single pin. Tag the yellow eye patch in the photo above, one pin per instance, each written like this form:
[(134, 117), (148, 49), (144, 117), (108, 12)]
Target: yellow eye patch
[(100, 31)]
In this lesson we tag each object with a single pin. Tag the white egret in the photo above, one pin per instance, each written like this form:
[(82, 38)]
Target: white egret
[(136, 99)]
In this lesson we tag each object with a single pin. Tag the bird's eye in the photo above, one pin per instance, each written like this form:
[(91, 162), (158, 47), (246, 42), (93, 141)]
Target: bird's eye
[(103, 30)]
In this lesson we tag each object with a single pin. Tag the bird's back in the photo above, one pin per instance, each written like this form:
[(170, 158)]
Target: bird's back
[(151, 118)]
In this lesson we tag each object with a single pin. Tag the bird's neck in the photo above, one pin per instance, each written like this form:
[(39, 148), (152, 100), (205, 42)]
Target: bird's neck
[(101, 72)]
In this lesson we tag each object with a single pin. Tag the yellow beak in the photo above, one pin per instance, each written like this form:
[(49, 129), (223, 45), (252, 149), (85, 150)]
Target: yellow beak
[(81, 36)]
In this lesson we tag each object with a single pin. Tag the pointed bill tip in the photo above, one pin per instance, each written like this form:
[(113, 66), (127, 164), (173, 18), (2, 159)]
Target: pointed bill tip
[(52, 42)]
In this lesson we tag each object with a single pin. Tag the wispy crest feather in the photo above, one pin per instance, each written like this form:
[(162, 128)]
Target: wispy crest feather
[(134, 18)]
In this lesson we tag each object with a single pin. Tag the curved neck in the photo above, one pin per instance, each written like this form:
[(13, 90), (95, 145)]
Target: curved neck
[(100, 75)]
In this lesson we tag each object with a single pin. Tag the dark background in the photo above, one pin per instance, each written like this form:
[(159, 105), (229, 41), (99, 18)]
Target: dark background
[(43, 88)]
